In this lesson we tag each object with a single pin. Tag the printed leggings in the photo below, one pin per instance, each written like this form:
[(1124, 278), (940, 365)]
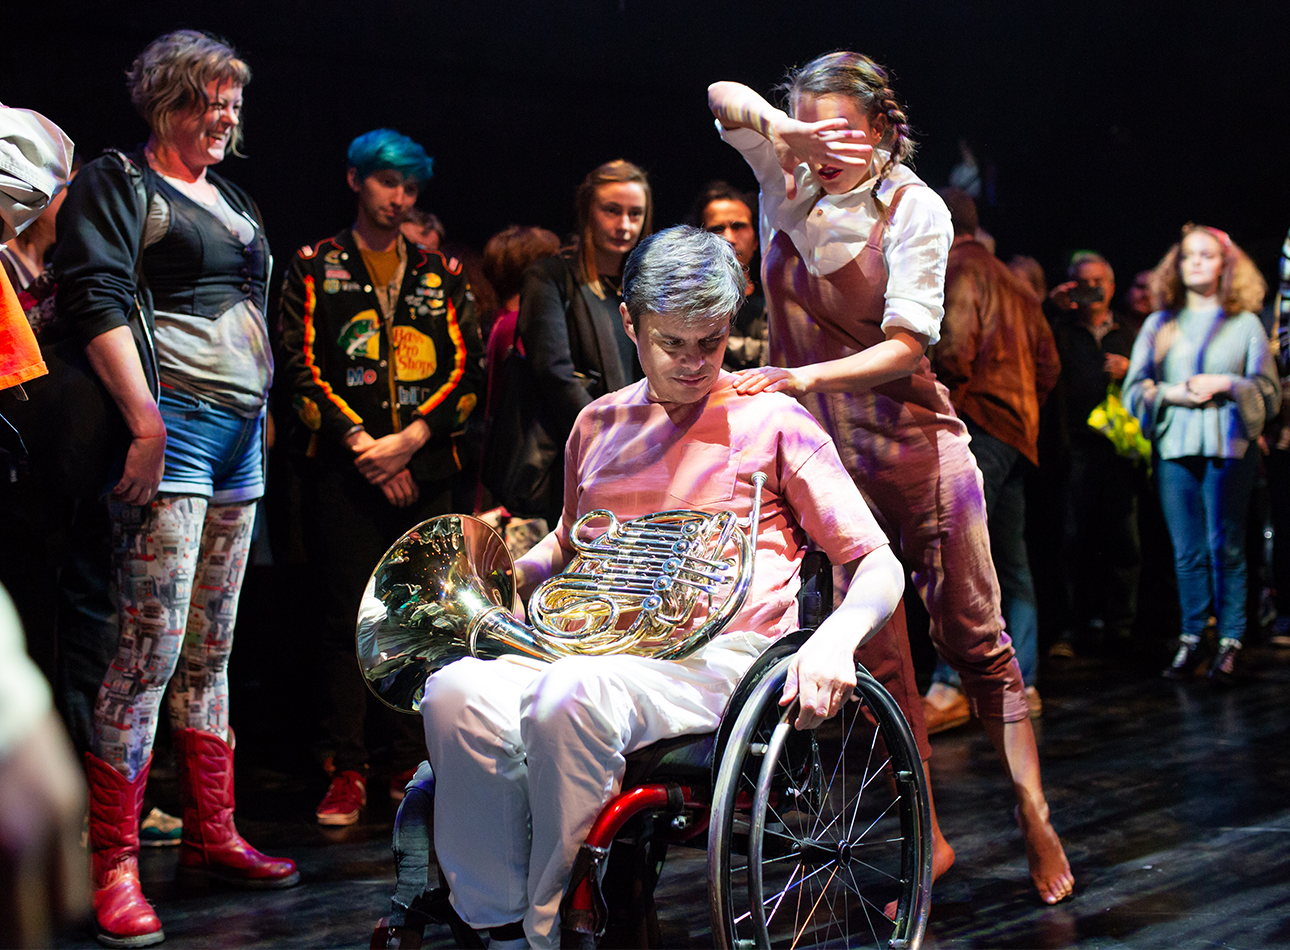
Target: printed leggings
[(179, 565)]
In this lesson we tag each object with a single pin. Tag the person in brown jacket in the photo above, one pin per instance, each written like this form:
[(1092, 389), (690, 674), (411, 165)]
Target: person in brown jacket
[(998, 359)]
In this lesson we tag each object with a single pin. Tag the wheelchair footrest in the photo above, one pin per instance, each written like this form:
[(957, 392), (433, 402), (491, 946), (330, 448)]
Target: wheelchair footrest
[(583, 912)]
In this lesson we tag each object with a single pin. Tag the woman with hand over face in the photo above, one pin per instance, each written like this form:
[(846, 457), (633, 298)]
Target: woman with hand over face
[(163, 269), (854, 250), (1202, 382)]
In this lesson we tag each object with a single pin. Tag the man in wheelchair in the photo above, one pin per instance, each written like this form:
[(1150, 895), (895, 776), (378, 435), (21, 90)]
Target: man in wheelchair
[(525, 753)]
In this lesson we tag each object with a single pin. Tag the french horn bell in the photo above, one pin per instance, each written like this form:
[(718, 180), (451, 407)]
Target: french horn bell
[(446, 590)]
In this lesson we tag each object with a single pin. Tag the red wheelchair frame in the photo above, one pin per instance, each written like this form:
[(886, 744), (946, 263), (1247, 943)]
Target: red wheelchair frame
[(756, 787)]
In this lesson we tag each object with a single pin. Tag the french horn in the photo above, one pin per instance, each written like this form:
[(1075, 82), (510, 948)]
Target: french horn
[(446, 590)]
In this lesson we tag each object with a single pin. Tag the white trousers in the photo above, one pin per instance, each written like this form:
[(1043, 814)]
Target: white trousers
[(525, 754)]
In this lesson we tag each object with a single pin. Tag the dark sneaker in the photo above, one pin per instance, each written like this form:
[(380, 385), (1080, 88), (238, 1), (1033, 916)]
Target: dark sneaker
[(1222, 672)]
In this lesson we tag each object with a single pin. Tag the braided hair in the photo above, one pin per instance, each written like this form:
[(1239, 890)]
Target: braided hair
[(869, 85)]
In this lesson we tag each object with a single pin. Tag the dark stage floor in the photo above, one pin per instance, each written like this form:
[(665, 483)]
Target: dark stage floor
[(1173, 801)]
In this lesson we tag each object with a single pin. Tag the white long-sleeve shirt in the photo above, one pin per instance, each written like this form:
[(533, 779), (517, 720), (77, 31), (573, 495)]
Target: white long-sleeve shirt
[(830, 230)]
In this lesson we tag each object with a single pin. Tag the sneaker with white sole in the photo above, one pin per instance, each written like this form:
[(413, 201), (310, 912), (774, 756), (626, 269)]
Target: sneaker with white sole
[(159, 830), (345, 798)]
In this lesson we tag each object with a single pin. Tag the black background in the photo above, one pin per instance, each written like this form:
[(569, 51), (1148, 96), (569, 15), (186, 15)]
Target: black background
[(1109, 123)]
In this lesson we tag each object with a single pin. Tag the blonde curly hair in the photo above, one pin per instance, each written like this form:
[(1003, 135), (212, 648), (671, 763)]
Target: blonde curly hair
[(1240, 285), (171, 75)]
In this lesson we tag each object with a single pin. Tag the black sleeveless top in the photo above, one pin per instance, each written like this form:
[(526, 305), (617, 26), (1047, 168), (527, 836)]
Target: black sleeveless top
[(199, 266)]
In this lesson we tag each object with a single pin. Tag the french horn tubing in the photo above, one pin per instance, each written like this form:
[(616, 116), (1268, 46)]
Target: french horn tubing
[(446, 589)]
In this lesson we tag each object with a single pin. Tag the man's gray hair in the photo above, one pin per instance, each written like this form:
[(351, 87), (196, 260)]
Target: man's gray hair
[(1080, 258), (684, 272)]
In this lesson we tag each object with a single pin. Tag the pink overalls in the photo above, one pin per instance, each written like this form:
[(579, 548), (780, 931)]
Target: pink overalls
[(909, 454)]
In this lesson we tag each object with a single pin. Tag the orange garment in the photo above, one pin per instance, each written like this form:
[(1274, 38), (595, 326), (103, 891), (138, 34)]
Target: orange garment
[(19, 354), (381, 265)]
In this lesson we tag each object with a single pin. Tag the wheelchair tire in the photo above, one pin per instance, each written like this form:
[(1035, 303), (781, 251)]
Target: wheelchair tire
[(814, 833)]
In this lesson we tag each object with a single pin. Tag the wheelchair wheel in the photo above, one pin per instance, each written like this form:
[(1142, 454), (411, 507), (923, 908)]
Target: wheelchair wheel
[(814, 834)]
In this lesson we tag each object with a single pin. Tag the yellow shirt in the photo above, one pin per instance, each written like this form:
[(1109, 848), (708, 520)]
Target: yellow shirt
[(381, 265)]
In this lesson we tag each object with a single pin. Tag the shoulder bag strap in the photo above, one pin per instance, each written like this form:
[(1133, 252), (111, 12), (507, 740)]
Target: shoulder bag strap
[(143, 194)]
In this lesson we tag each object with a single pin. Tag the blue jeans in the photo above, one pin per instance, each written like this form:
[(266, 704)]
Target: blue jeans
[(1206, 501), (1003, 470)]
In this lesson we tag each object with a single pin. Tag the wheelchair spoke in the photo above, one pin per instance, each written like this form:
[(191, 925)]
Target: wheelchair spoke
[(840, 764), (855, 885), (824, 890), (804, 879), (869, 775), (853, 805), (798, 887), (877, 870), (767, 862), (866, 903), (841, 759), (802, 897), (776, 814), (868, 919), (829, 845), (774, 910), (836, 920), (879, 817)]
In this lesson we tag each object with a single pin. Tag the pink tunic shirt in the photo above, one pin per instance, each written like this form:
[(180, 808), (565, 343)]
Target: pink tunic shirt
[(634, 456)]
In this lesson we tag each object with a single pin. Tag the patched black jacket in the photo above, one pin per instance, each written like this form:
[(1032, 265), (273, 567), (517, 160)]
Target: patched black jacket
[(346, 366)]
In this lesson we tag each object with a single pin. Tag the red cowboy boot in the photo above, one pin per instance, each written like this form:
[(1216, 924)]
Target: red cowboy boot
[(211, 846), (123, 917)]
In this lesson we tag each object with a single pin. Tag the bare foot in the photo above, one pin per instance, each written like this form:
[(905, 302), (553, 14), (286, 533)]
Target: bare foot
[(942, 855), (942, 859), (1049, 868)]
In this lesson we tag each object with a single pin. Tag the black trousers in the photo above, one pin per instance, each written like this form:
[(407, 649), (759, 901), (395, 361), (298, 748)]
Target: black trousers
[(347, 525), (56, 541), (1101, 550)]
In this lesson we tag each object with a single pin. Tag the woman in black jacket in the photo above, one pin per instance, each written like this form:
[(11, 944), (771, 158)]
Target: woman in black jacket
[(569, 321), (163, 268)]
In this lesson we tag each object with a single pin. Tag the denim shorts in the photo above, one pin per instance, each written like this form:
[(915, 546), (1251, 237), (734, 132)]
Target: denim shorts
[(211, 451)]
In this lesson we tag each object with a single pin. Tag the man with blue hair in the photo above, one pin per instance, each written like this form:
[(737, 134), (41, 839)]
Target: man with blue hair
[(384, 363), (383, 149)]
